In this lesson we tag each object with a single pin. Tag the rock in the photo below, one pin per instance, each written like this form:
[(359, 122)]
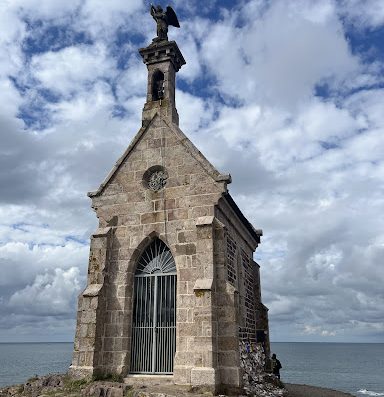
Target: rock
[(105, 389), (256, 381), (11, 391), (34, 387)]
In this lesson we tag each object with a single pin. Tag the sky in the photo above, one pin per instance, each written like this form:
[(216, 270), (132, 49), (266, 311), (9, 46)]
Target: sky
[(286, 96)]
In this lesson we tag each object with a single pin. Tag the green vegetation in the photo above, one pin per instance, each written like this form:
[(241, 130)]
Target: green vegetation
[(113, 377), (129, 392), (75, 385)]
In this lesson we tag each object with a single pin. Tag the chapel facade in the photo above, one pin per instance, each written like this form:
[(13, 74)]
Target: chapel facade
[(172, 285)]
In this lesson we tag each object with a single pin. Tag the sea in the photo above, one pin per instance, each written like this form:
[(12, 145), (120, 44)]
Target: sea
[(355, 368)]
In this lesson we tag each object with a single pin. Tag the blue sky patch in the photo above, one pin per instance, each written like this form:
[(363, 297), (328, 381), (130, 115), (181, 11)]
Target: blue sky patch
[(45, 37)]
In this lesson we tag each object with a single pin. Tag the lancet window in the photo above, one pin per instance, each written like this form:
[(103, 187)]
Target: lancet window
[(249, 287), (231, 260), (158, 85)]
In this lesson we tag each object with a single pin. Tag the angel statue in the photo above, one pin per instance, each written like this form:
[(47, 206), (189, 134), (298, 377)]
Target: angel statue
[(163, 20)]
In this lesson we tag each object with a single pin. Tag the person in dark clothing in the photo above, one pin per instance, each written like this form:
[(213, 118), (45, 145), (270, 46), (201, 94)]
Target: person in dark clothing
[(276, 366)]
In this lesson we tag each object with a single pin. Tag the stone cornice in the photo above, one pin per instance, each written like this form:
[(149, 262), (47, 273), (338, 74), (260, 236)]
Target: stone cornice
[(162, 51)]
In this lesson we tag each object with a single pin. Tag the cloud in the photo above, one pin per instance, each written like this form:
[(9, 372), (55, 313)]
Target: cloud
[(368, 14), (102, 18), (13, 31), (310, 330), (195, 113), (21, 262), (71, 68), (44, 8), (275, 93), (280, 58), (50, 294)]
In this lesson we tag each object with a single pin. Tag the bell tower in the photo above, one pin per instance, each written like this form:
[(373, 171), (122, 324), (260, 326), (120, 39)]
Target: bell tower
[(163, 59)]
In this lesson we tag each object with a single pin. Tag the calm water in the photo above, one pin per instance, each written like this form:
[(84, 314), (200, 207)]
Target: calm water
[(356, 368), (20, 361), (342, 366)]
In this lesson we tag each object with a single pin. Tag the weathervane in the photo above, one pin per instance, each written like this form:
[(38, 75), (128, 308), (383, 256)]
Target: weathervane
[(163, 20)]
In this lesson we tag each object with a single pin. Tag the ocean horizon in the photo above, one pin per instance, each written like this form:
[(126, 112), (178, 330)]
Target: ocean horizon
[(354, 368)]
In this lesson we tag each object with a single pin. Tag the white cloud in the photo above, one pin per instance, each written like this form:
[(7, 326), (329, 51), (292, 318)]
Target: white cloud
[(46, 9), (132, 82), (281, 57), (324, 121), (72, 68), (50, 294), (101, 18), (10, 106), (20, 262), (85, 107), (13, 31), (363, 14), (194, 112), (310, 330)]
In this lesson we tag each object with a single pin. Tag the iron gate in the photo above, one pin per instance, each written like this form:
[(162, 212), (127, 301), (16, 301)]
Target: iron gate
[(154, 312)]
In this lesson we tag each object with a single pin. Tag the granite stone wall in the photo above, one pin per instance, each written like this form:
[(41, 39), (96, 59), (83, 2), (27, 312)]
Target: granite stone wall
[(163, 187), (181, 215)]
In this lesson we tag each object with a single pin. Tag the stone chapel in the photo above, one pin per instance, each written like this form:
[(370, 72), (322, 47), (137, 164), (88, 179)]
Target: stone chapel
[(172, 285)]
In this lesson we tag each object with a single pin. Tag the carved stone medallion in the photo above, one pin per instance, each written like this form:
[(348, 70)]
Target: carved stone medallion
[(155, 178)]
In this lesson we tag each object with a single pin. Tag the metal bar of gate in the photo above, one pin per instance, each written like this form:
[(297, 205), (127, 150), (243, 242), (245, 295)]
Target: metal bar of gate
[(154, 330), (166, 325), (160, 349), (169, 308), (165, 331), (150, 323), (140, 330)]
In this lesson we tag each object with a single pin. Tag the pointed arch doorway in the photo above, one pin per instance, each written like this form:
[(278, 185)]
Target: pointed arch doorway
[(154, 312)]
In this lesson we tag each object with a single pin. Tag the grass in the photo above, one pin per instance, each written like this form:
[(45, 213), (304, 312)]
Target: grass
[(129, 393), (113, 377), (75, 385)]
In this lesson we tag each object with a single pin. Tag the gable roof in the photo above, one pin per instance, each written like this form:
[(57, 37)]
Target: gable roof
[(189, 146)]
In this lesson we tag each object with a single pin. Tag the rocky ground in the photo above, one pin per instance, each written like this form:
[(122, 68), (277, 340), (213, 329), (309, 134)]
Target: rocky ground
[(63, 386)]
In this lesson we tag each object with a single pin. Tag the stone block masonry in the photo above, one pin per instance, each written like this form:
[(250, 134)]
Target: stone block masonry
[(163, 189)]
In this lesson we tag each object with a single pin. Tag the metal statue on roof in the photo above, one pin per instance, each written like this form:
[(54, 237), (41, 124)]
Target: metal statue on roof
[(163, 20)]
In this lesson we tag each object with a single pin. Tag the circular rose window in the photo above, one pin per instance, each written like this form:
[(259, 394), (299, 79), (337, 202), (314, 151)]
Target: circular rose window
[(155, 178)]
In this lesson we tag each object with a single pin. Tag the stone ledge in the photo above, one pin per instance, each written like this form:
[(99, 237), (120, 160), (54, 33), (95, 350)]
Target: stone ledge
[(203, 284), (92, 290), (101, 232), (205, 220)]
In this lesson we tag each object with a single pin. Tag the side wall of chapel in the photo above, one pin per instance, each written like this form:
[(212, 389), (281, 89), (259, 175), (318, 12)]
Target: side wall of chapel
[(239, 293)]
